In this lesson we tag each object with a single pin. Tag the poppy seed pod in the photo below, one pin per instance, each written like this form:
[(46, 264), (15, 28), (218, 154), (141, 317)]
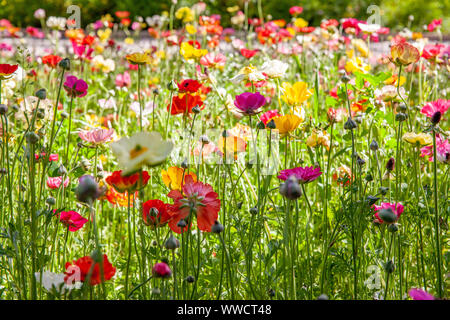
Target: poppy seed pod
[(41, 94), (373, 145), (3, 109), (217, 227), (350, 124), (290, 189), (172, 243), (436, 118)]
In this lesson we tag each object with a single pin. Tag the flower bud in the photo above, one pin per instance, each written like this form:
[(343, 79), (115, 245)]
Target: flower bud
[(87, 189), (50, 201), (373, 145), (161, 270), (271, 124), (184, 164), (401, 116), (181, 224), (32, 137), (172, 86), (322, 297), (65, 64), (390, 164), (260, 125), (41, 94), (3, 109), (190, 279), (389, 266), (401, 108), (350, 124), (254, 210), (196, 109), (64, 115), (345, 78), (172, 243), (290, 189), (383, 190), (393, 227), (217, 227), (62, 171), (371, 200), (387, 215)]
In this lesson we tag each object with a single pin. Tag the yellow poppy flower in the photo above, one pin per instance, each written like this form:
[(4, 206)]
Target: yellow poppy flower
[(361, 46), (173, 178), (393, 80), (129, 40), (191, 29), (138, 58), (104, 35), (184, 14), (356, 64), (295, 94), (300, 23), (287, 123), (422, 139), (318, 138), (190, 53)]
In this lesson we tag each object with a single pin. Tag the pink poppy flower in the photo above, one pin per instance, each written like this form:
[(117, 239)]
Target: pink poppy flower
[(295, 10), (82, 51), (123, 80), (431, 108), (419, 294), (75, 87), (432, 51), (73, 220), (96, 136), (213, 61), (55, 182), (52, 157), (442, 150), (161, 270), (396, 208), (199, 200), (269, 115), (303, 175), (434, 24)]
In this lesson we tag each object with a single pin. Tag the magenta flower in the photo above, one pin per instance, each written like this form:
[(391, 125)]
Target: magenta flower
[(73, 220), (75, 87), (431, 108), (442, 150), (419, 294), (96, 136), (396, 208), (249, 103), (303, 175), (55, 182), (161, 270)]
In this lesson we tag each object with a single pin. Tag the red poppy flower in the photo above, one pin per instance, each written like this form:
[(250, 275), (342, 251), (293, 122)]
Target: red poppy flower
[(247, 53), (189, 85), (155, 213), (198, 199), (51, 60), (88, 40), (129, 183), (7, 70), (183, 103), (122, 14), (83, 266)]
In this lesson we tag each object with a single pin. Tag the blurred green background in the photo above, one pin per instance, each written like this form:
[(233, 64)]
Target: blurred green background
[(394, 13)]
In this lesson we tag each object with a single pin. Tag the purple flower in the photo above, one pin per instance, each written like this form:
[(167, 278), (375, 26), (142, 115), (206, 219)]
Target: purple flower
[(75, 87), (249, 103), (419, 294), (303, 175)]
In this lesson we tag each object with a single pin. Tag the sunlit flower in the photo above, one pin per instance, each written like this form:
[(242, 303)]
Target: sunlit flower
[(419, 294), (421, 139), (85, 266), (97, 136), (249, 103), (269, 115), (75, 87), (430, 108), (105, 65), (231, 145), (357, 64), (72, 220), (6, 70), (196, 200), (274, 68), (403, 53), (190, 53), (185, 14), (51, 60), (155, 213), (295, 94), (342, 175), (318, 137), (287, 123), (175, 177), (161, 270), (143, 148), (212, 60), (442, 150), (130, 183), (55, 182), (250, 74), (139, 58)]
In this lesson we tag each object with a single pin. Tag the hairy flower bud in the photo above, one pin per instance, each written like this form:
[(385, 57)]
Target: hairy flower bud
[(65, 64), (290, 189), (41, 94), (217, 227)]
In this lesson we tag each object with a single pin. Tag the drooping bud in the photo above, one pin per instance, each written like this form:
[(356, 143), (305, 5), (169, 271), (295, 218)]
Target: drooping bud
[(87, 189), (390, 164), (373, 145), (41, 94), (436, 117), (217, 227), (172, 243), (3, 109), (290, 189), (350, 124), (65, 64)]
